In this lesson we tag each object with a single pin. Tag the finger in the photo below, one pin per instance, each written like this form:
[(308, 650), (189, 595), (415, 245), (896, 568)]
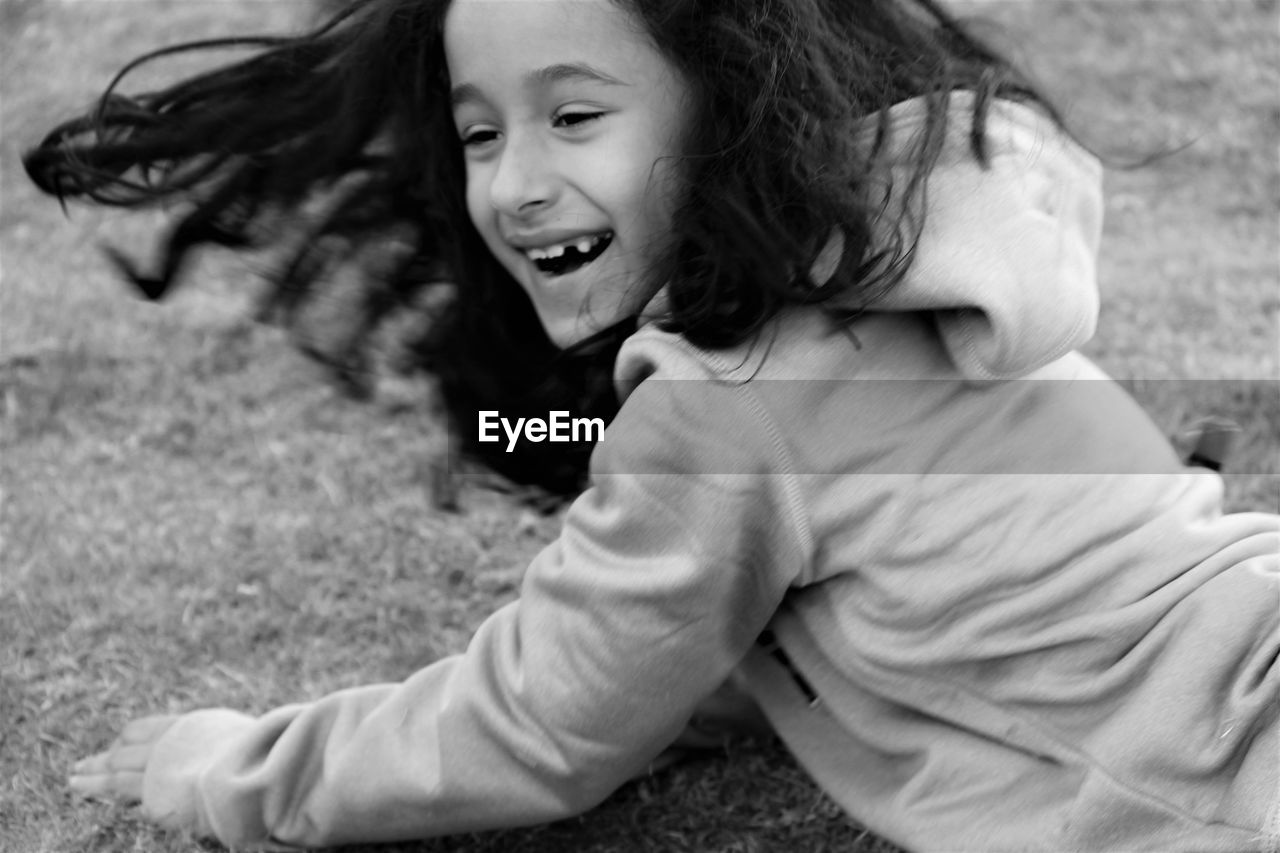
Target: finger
[(118, 759), (146, 729), (94, 765), (117, 787)]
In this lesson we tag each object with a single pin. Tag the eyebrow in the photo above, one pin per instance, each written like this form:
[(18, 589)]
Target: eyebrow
[(558, 73), (574, 71)]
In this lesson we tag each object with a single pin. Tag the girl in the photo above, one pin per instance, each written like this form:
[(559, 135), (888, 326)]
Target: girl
[(812, 241)]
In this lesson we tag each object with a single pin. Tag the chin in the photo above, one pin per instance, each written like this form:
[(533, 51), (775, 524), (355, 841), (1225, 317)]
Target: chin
[(565, 333), (571, 332)]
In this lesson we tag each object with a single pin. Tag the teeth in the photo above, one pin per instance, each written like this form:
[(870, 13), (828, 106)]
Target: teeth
[(556, 250)]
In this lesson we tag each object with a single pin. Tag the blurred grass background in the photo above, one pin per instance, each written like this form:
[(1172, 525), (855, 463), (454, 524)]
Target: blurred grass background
[(191, 516)]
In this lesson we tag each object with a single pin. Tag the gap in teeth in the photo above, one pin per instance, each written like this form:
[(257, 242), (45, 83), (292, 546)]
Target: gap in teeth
[(583, 245)]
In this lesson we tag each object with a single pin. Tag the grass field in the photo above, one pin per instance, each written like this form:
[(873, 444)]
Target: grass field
[(191, 516)]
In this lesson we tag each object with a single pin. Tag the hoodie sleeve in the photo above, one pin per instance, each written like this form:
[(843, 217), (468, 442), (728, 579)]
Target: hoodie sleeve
[(1007, 257), (667, 569)]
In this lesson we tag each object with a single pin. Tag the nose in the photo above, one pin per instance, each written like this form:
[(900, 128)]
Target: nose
[(524, 180)]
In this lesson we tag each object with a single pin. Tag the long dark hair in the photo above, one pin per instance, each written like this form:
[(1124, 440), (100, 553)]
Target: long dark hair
[(326, 144)]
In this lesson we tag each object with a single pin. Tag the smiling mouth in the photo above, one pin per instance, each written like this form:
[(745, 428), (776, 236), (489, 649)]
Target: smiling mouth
[(564, 258)]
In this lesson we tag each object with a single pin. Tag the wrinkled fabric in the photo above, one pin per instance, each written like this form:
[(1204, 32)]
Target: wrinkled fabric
[(1006, 259), (1049, 641)]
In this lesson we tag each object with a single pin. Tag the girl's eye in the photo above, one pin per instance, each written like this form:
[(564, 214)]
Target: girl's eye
[(478, 137), (576, 119)]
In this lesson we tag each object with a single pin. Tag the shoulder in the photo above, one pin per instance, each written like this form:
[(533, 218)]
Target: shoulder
[(687, 410), (754, 407), (693, 444), (800, 343)]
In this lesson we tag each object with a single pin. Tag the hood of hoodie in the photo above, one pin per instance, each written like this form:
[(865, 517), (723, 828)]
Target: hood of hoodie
[(1006, 259)]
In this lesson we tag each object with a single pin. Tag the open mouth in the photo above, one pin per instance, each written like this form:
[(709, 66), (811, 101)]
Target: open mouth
[(563, 258)]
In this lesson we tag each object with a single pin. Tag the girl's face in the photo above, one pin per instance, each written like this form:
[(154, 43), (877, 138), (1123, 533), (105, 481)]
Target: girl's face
[(570, 122)]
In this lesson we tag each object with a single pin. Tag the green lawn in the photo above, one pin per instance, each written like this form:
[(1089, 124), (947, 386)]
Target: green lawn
[(191, 516)]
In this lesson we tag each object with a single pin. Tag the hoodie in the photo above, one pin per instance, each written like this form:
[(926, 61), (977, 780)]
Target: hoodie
[(985, 615)]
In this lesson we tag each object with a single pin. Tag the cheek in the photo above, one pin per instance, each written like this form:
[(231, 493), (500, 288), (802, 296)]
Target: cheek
[(657, 200), (476, 205), (480, 212)]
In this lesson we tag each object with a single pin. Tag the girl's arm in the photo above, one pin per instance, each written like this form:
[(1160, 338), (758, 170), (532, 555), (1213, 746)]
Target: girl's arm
[(666, 572)]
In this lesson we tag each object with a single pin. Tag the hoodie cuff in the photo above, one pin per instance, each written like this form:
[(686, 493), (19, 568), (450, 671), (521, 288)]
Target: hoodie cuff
[(171, 782)]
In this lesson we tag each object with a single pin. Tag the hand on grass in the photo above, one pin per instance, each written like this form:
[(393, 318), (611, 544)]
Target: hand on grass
[(158, 761), (116, 775)]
